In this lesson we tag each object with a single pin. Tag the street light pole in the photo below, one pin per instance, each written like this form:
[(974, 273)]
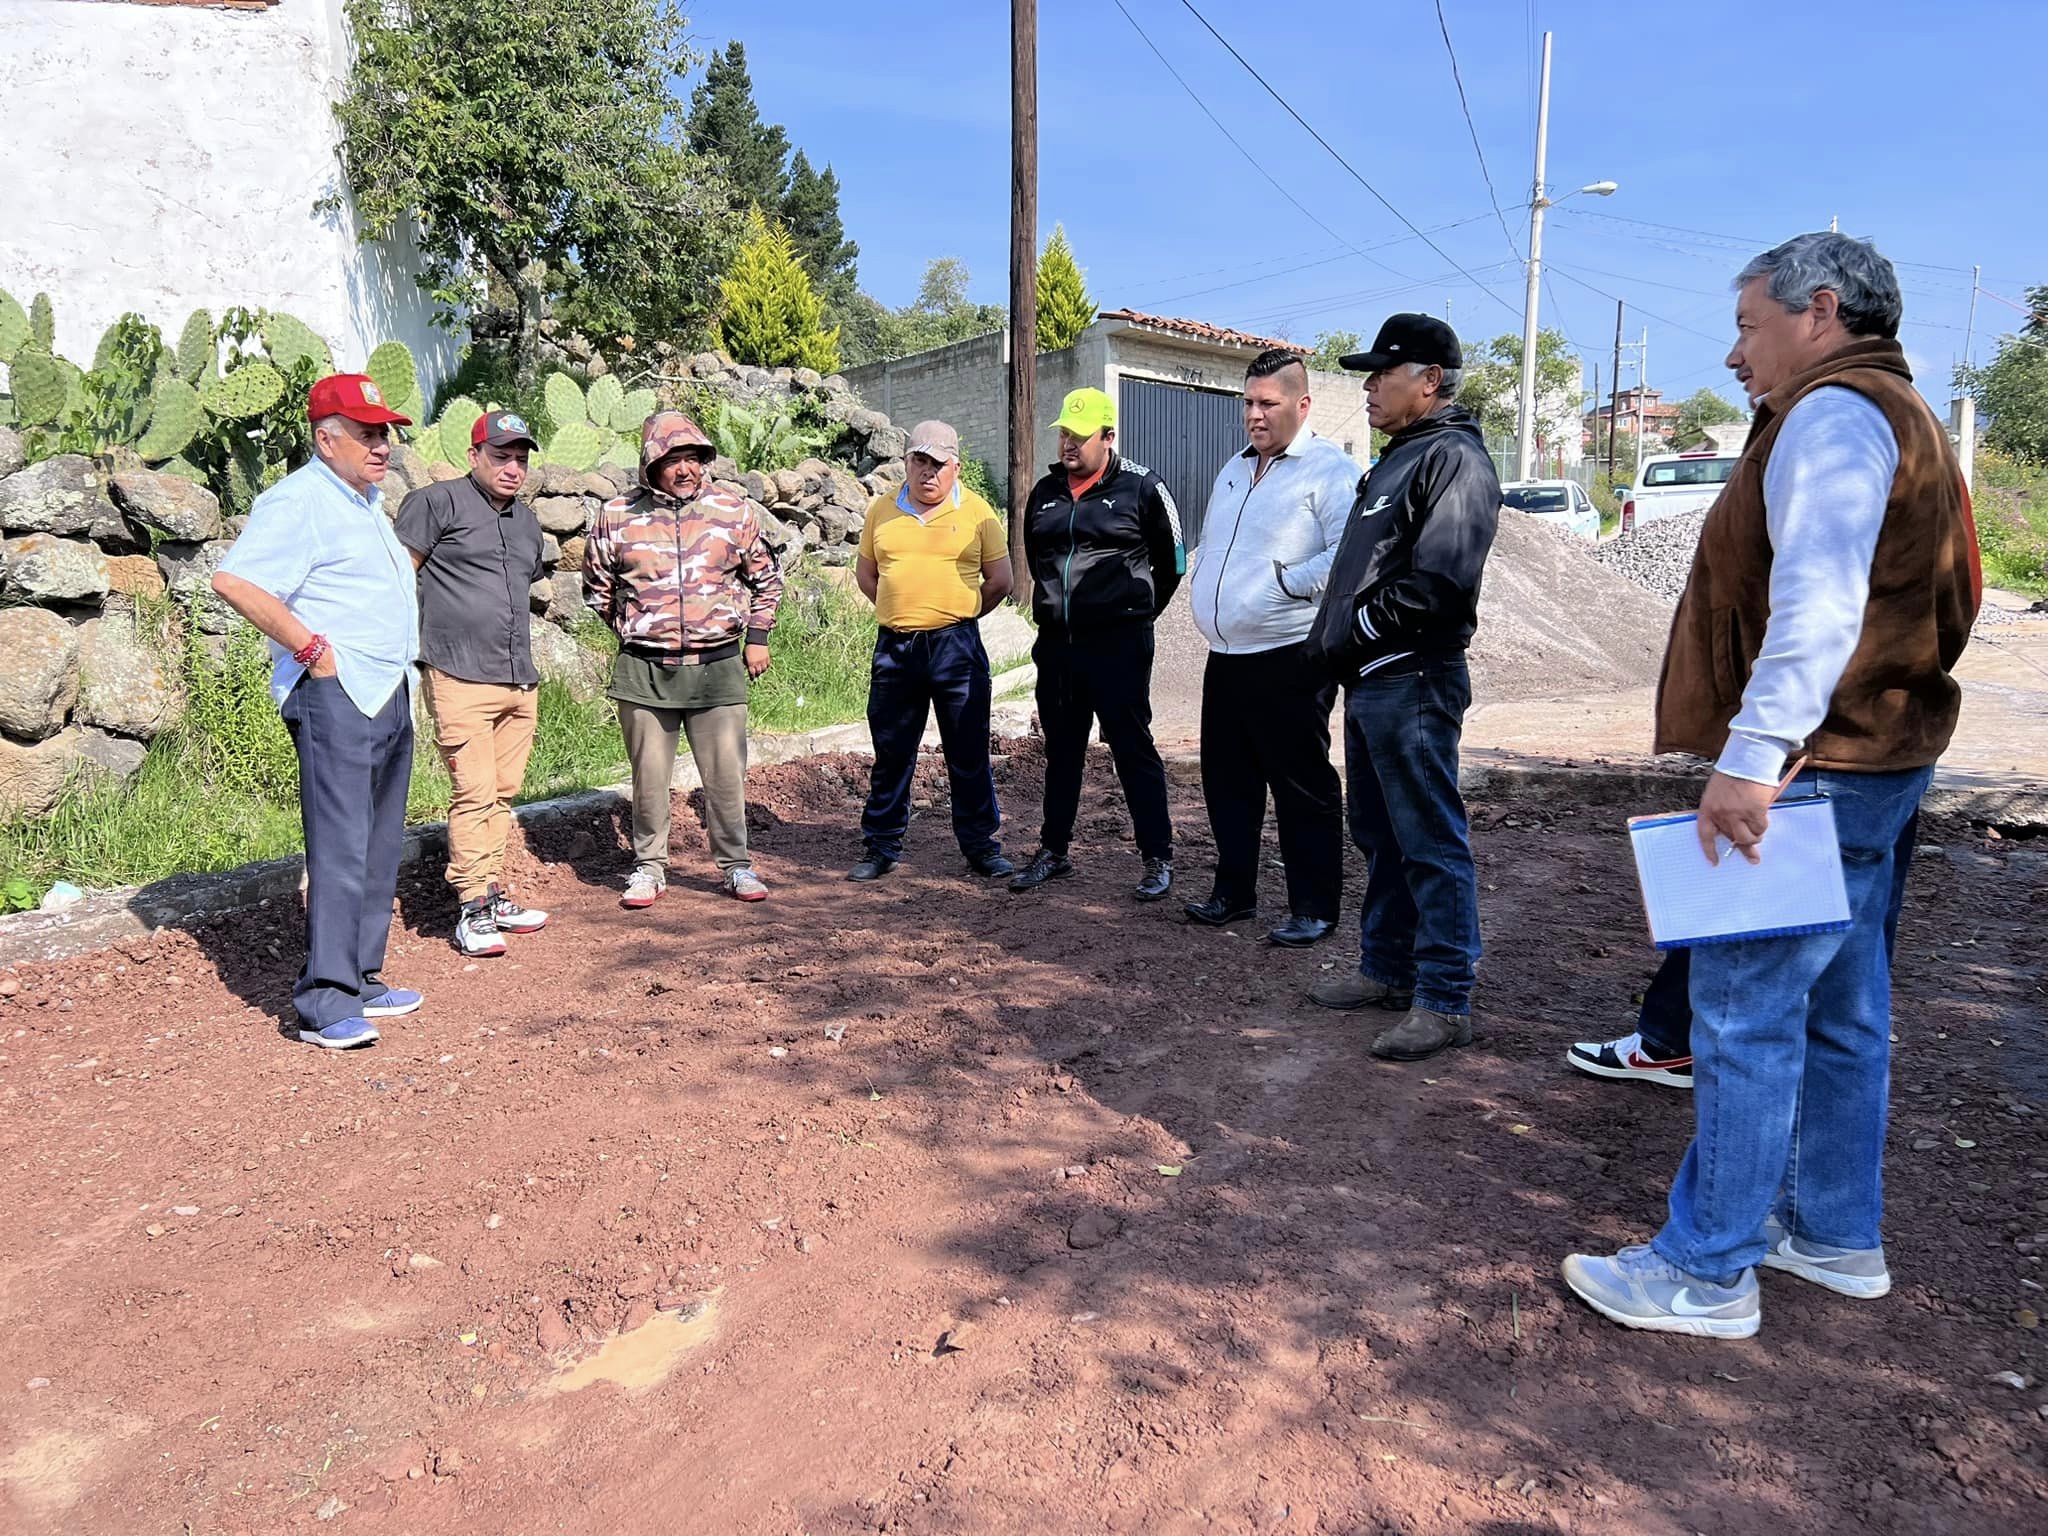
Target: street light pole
[(1525, 414)]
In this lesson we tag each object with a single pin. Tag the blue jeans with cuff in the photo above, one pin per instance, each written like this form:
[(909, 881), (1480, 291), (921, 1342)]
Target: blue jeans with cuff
[(1791, 1043)]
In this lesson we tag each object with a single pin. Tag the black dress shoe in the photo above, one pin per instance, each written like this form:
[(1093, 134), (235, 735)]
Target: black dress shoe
[(1045, 865), (871, 868), (992, 866), (1157, 882), (1300, 932), (1217, 913)]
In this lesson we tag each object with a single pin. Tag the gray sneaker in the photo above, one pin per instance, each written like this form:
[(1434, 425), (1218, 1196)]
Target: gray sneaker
[(1351, 990), (745, 885), (1638, 1289), (1857, 1272)]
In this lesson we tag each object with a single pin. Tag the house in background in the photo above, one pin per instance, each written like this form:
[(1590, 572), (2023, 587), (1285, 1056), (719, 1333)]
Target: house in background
[(1178, 385), (166, 157), (1641, 410)]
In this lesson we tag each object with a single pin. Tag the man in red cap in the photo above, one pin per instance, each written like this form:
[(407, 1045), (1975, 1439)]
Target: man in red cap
[(478, 549), (321, 573)]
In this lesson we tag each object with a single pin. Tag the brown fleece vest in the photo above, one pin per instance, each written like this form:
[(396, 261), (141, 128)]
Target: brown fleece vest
[(1896, 704)]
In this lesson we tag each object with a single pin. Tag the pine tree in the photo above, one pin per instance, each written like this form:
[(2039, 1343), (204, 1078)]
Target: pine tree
[(1064, 308), (725, 127), (772, 317), (810, 212)]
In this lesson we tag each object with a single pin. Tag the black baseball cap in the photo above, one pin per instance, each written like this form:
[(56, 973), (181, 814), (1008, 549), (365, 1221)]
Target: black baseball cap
[(502, 429), (1409, 339)]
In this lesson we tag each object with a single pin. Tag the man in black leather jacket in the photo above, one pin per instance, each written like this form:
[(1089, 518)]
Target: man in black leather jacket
[(1102, 537), (1399, 611)]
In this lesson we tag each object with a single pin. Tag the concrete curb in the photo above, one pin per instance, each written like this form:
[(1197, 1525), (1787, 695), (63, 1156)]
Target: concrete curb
[(109, 917)]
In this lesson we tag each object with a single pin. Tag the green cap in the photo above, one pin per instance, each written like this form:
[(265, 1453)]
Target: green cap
[(1086, 412)]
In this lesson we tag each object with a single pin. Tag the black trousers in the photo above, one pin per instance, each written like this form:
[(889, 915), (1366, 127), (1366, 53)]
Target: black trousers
[(1266, 726), (918, 673), (1100, 674), (354, 770)]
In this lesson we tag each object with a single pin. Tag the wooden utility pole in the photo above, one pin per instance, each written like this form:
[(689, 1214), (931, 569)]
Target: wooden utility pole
[(1023, 279), (1614, 409)]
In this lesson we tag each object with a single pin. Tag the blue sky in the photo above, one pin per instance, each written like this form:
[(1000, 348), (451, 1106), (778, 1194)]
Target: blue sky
[(1892, 115)]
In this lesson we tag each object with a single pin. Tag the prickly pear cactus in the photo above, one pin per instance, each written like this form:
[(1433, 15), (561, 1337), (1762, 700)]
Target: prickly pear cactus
[(633, 410), (196, 347), (602, 400), (175, 418), (249, 391), (564, 400), (458, 418), (108, 349), (622, 453), (398, 379), (42, 323), (14, 327), (578, 445), (41, 385), (184, 469), (289, 339)]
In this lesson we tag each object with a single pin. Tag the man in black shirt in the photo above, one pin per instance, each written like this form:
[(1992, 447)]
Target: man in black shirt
[(1102, 537), (478, 551)]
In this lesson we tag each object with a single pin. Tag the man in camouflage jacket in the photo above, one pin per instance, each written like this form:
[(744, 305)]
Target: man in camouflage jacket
[(683, 573)]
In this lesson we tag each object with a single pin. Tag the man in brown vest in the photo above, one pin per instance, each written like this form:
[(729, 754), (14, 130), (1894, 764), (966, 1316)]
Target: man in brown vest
[(1833, 591)]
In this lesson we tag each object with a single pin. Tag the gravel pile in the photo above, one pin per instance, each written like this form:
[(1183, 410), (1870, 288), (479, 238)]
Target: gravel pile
[(1657, 555)]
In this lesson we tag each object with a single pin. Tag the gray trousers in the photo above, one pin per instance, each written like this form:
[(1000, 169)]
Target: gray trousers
[(718, 743)]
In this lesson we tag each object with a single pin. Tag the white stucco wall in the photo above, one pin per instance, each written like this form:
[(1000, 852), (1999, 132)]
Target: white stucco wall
[(163, 158)]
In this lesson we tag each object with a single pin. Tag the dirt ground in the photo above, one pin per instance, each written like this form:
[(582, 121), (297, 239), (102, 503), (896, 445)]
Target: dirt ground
[(614, 1236)]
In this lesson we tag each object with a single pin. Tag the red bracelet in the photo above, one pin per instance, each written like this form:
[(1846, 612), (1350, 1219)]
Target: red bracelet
[(311, 651)]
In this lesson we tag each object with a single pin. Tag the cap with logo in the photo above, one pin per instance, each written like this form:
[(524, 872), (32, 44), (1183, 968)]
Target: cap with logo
[(1409, 339), (354, 395), (1086, 412), (935, 440), (502, 429)]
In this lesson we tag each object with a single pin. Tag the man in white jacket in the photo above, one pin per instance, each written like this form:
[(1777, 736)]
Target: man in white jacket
[(1274, 521)]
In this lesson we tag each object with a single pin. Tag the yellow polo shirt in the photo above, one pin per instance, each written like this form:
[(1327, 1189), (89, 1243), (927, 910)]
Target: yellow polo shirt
[(930, 565)]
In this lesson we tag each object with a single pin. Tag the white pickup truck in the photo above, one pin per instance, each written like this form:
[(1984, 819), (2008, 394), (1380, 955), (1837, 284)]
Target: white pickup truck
[(1672, 484)]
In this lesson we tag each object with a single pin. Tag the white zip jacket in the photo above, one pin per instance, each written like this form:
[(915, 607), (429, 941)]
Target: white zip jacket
[(1295, 516)]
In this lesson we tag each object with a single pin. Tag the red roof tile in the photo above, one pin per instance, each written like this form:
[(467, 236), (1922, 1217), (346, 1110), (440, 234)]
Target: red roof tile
[(1198, 330)]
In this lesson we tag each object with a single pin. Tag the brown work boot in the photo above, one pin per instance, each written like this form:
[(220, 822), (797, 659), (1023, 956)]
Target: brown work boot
[(1422, 1034), (1351, 990)]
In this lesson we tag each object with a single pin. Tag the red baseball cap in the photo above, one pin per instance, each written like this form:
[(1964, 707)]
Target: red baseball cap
[(354, 395)]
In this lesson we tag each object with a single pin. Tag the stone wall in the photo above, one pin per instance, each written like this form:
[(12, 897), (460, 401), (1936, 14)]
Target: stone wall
[(965, 385)]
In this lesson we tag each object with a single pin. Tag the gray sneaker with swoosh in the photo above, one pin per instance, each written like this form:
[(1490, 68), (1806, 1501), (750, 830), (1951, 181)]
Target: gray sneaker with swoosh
[(1858, 1272), (1639, 1289)]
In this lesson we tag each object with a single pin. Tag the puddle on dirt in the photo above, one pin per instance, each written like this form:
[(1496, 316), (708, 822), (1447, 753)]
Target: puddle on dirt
[(641, 1360)]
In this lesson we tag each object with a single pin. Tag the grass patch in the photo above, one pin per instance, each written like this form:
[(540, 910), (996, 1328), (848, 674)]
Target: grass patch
[(2011, 507), (823, 647)]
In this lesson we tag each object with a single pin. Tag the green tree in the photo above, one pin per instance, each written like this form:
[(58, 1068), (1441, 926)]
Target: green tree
[(2011, 390), (532, 144), (725, 127), (1492, 389), (1064, 308), (940, 314), (772, 317), (1698, 410), (810, 212), (1329, 347)]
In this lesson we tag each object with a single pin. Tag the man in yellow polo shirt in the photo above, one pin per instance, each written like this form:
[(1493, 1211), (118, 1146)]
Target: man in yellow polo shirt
[(933, 560)]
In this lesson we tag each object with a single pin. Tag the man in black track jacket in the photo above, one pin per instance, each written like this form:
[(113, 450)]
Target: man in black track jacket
[(1399, 611), (1102, 538)]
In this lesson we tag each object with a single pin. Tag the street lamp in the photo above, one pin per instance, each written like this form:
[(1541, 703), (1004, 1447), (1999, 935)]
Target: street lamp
[(1525, 415)]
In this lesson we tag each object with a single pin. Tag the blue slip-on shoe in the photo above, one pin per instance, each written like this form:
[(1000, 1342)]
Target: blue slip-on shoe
[(342, 1034), (1639, 1289), (391, 1002)]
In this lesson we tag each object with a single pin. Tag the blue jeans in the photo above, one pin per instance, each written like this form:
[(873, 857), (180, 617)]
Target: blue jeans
[(1418, 927), (918, 673), (1791, 1045)]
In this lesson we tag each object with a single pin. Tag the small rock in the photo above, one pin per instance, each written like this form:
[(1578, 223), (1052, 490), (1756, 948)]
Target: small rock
[(2026, 1317), (423, 1261), (153, 1230), (638, 1314), (1925, 1144), (448, 1461), (810, 1242), (331, 1508), (396, 1464), (2011, 1379), (671, 1301), (778, 1052), (493, 1221), (553, 1332), (1093, 1229), (184, 1210), (37, 1383)]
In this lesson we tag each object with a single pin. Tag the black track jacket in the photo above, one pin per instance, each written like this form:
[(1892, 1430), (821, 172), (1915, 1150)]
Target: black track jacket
[(1406, 578), (1113, 556)]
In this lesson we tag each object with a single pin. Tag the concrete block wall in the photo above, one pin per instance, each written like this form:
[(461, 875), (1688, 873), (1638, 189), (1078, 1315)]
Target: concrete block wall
[(966, 385)]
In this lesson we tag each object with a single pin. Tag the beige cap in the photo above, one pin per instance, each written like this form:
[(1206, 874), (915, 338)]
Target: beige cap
[(935, 440)]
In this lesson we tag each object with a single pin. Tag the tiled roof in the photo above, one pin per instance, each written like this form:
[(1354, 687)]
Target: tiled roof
[(1198, 330)]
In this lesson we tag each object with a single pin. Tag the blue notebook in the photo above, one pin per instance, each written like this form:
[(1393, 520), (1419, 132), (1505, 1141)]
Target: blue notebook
[(1795, 888)]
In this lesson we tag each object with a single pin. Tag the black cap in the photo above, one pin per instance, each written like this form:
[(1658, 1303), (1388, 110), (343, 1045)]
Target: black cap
[(1409, 339), (502, 429)]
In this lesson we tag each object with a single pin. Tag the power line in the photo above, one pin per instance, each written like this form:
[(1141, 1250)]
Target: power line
[(1330, 149), (1326, 261), (1676, 325), (1307, 212), (1471, 127)]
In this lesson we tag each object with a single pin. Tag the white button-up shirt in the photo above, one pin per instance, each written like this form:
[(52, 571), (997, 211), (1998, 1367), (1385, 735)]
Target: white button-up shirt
[(330, 555)]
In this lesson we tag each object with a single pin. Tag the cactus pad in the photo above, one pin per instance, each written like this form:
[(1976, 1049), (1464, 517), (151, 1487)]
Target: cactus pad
[(289, 339), (634, 409), (249, 391), (457, 418), (175, 418), (14, 329), (41, 386), (42, 323), (564, 400), (602, 399), (578, 445), (391, 365), (196, 355)]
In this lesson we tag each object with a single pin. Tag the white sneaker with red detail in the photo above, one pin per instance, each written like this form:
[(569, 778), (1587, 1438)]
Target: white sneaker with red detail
[(1625, 1061), (512, 917)]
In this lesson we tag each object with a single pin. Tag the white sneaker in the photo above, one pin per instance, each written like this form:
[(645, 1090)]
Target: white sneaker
[(476, 930), (645, 888), (1858, 1272), (512, 917), (744, 884)]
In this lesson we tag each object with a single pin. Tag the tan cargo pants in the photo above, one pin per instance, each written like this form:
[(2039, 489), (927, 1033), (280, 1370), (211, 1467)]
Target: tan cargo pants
[(485, 733)]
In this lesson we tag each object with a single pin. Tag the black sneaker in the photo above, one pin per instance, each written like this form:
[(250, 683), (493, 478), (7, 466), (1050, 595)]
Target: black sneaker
[(991, 866), (1157, 882), (871, 868), (1045, 865)]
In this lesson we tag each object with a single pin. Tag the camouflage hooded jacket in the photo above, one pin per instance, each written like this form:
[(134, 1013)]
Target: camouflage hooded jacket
[(672, 576)]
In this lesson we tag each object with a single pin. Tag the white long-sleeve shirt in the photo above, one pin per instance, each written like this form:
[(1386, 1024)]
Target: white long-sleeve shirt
[(1257, 577), (1825, 490)]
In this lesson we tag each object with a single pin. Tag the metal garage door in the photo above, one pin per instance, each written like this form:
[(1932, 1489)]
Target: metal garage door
[(1184, 435)]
